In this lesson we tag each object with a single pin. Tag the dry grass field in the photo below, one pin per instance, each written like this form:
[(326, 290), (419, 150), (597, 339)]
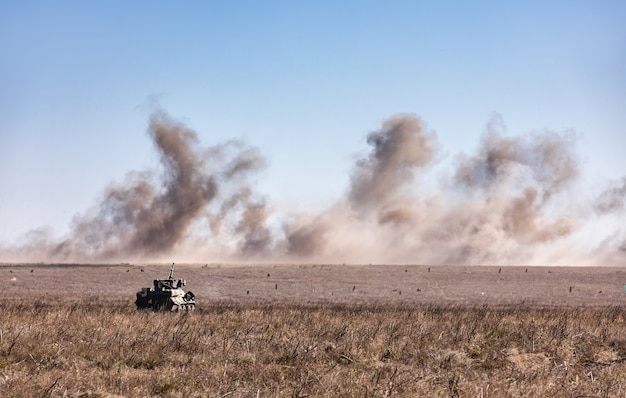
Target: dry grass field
[(314, 330)]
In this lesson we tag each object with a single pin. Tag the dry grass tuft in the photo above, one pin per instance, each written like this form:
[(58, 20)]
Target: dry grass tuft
[(88, 347)]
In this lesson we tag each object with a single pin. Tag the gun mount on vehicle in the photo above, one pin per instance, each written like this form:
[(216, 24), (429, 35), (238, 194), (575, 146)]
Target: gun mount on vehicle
[(167, 294)]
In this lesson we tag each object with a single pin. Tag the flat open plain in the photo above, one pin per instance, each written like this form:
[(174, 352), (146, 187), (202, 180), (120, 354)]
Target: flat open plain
[(265, 330), (323, 283)]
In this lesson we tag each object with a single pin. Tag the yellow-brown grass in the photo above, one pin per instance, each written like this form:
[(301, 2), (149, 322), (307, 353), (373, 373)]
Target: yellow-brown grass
[(88, 347)]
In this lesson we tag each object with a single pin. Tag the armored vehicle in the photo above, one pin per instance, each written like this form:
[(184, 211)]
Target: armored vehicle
[(167, 294)]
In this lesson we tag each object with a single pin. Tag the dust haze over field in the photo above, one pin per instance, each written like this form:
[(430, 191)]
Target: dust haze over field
[(503, 204)]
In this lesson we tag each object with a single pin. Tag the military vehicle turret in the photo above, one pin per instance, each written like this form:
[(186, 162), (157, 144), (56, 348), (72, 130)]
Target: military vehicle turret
[(167, 294)]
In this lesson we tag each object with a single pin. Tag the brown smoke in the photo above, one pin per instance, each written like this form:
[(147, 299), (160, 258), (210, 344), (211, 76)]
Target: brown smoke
[(144, 218), (308, 239), (501, 205), (499, 210), (401, 146), (612, 199), (546, 159), (256, 236), (377, 189)]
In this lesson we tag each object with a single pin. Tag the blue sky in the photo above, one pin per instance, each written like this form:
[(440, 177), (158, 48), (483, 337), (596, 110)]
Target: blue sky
[(303, 81)]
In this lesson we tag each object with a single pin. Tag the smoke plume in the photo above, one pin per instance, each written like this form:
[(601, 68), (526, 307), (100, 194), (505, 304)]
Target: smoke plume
[(398, 149), (503, 204), (612, 199), (148, 216)]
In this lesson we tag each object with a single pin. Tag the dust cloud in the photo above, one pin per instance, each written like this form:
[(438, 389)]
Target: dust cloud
[(148, 216), (507, 203), (398, 149), (613, 199), (497, 207)]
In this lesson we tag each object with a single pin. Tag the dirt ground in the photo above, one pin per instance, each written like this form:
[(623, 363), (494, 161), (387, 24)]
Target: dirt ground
[(322, 283)]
